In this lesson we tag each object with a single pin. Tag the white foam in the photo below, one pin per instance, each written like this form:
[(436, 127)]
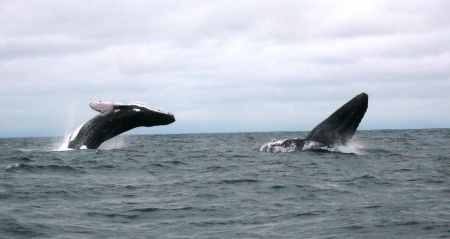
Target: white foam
[(62, 145), (279, 146), (313, 145), (14, 165), (351, 147)]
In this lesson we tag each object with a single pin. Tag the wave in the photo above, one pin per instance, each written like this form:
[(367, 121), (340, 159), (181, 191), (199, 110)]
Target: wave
[(154, 209), (24, 167), (235, 181), (18, 159), (13, 228)]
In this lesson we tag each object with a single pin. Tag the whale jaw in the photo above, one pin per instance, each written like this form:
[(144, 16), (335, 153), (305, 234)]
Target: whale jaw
[(337, 129), (340, 126)]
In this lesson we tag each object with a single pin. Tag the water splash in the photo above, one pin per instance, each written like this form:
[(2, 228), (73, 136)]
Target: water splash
[(314, 145), (287, 146), (280, 146), (352, 147), (114, 143), (62, 144)]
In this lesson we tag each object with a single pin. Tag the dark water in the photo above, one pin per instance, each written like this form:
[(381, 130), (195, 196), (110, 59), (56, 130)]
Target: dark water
[(395, 184)]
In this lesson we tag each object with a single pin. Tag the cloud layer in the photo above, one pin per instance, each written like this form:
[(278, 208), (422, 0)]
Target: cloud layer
[(221, 66)]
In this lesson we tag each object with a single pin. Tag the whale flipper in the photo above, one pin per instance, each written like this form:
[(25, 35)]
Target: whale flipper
[(105, 107)]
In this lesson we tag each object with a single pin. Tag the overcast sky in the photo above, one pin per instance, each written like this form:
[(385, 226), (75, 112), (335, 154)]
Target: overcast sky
[(224, 66)]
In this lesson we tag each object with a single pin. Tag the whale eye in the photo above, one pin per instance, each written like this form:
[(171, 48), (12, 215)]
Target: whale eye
[(137, 110)]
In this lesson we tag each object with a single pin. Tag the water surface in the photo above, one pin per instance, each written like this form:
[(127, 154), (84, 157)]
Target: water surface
[(386, 184)]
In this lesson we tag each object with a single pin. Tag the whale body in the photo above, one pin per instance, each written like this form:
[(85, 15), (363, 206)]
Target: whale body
[(114, 119), (337, 129)]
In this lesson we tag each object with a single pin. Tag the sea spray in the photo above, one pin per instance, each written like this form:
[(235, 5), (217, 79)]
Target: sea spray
[(62, 143), (114, 143)]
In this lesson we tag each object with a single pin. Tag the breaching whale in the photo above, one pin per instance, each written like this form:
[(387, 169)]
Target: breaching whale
[(114, 119), (337, 129)]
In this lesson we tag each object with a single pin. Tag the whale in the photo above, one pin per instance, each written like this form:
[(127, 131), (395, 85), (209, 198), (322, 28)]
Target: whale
[(337, 129), (114, 119)]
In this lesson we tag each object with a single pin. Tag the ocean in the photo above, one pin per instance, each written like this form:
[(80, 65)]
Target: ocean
[(384, 184)]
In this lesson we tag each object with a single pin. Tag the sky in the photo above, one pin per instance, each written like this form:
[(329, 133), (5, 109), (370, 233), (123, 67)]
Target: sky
[(223, 66)]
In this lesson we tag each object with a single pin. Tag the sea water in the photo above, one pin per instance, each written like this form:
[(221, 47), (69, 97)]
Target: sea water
[(384, 184)]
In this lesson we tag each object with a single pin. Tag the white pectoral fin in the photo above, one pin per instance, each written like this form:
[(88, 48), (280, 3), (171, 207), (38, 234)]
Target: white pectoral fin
[(103, 107)]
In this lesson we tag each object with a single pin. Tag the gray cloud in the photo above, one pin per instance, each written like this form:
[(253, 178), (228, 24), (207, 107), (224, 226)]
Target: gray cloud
[(222, 66)]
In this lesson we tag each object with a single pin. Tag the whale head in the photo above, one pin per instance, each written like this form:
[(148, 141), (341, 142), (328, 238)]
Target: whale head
[(340, 126), (137, 112), (152, 117)]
